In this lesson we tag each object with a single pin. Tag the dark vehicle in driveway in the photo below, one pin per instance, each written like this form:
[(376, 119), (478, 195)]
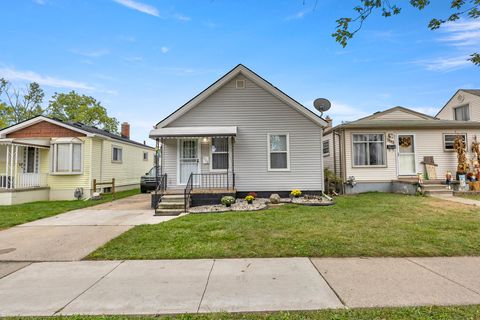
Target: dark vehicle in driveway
[(147, 182)]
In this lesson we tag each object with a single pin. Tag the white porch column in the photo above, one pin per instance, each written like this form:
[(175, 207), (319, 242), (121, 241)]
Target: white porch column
[(15, 167), (7, 168)]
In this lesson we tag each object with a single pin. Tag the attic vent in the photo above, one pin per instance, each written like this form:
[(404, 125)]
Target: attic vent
[(240, 84)]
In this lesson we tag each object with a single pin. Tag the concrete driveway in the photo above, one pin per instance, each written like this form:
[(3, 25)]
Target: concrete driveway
[(73, 235)]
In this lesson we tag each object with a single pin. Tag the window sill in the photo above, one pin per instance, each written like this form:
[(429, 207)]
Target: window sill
[(278, 170), (326, 154), (65, 173), (117, 162), (380, 166)]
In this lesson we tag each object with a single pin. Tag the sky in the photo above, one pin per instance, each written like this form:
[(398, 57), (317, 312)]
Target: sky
[(144, 58)]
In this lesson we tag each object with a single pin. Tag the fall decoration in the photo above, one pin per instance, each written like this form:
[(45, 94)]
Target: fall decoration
[(459, 147), (405, 142)]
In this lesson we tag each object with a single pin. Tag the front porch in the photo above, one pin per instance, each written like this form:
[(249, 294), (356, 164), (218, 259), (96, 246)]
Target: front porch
[(197, 166), (20, 164)]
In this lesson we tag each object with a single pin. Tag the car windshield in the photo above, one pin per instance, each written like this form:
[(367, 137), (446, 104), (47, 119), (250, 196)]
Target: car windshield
[(151, 173)]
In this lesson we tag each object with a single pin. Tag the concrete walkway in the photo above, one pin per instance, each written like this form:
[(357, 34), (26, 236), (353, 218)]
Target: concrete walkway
[(234, 285), (461, 200), (73, 235)]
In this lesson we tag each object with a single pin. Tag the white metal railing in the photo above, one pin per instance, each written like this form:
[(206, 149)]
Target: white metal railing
[(23, 181)]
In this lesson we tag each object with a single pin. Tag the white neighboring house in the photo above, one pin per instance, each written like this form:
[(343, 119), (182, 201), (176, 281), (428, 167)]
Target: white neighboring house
[(381, 151), (241, 135)]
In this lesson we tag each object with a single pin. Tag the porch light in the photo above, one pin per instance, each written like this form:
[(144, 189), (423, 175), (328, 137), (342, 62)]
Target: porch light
[(205, 140)]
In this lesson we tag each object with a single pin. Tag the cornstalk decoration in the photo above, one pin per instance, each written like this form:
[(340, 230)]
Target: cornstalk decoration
[(460, 147)]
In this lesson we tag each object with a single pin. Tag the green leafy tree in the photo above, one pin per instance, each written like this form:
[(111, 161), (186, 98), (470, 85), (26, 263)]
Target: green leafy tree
[(17, 105), (347, 27), (81, 108)]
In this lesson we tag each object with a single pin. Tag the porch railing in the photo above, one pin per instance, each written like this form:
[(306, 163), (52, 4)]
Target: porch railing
[(23, 180), (207, 181), (160, 190)]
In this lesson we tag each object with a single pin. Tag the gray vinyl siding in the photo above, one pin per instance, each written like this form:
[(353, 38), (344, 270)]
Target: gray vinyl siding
[(257, 113)]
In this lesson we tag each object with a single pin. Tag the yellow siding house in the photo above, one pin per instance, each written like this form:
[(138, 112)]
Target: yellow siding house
[(48, 159)]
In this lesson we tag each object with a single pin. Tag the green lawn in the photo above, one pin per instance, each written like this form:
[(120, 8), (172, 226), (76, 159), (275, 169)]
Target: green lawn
[(373, 224), (417, 313), (22, 213)]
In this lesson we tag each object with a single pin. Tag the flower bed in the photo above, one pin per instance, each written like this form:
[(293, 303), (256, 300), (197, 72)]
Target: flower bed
[(239, 205)]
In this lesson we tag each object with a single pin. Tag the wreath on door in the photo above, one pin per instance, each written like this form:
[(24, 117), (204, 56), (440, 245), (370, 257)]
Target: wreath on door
[(405, 142)]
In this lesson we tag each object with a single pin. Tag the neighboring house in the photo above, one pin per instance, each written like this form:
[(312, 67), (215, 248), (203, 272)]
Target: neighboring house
[(48, 159), (241, 134), (383, 151)]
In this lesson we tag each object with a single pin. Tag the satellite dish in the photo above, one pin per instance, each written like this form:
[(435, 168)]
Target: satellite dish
[(322, 105)]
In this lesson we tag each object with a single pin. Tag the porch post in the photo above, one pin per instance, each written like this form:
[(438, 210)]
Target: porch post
[(228, 161), (233, 161), (15, 168), (157, 178), (11, 167), (7, 168)]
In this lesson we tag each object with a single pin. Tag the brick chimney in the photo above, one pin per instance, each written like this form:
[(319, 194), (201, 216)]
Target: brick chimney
[(125, 130), (329, 121)]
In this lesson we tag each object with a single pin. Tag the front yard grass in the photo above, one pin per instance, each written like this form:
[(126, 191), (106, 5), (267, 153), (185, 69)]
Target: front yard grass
[(372, 224), (472, 195), (22, 213), (405, 313)]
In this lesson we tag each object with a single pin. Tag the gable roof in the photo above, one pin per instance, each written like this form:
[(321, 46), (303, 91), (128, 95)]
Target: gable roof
[(475, 92), (397, 108), (241, 69), (89, 131)]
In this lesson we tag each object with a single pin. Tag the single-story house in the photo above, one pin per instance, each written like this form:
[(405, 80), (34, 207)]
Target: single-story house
[(378, 152), (48, 159), (240, 135)]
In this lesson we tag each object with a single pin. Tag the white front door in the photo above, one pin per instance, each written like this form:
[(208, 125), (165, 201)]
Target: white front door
[(188, 159), (406, 155)]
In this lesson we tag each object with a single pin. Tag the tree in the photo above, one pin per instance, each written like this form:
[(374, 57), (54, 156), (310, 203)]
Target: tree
[(18, 105), (460, 9), (81, 108)]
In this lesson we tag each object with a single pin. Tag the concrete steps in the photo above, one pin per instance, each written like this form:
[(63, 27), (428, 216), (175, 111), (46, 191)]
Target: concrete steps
[(436, 189), (171, 205)]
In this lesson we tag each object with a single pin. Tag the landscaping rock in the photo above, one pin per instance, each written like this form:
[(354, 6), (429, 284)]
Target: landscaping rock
[(275, 198), (239, 205)]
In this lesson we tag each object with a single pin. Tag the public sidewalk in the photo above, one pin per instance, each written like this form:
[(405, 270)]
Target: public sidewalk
[(234, 285)]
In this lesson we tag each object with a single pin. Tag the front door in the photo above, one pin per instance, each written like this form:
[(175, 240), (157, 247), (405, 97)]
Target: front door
[(406, 155), (188, 159)]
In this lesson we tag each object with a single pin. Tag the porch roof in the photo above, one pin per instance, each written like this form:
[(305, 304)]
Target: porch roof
[(38, 143), (179, 132)]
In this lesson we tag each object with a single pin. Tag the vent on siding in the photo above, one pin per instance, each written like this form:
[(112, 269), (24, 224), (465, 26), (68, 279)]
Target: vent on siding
[(240, 84)]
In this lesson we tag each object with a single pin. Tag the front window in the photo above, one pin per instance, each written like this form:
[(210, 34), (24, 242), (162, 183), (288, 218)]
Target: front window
[(117, 154), (449, 140), (369, 149), (67, 158), (219, 153), (462, 113), (278, 145)]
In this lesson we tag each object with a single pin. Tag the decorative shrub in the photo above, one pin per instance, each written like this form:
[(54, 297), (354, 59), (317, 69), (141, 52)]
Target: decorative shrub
[(296, 193), (249, 198), (253, 194), (228, 201)]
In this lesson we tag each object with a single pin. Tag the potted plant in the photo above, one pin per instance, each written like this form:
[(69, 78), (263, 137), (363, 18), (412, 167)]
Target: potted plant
[(253, 194), (296, 193), (249, 199), (227, 201)]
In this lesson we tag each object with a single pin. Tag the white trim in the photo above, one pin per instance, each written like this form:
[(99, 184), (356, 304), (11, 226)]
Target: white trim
[(415, 153), (199, 155), (453, 134), (240, 69), (38, 119), (229, 152), (352, 150), (269, 152), (53, 163)]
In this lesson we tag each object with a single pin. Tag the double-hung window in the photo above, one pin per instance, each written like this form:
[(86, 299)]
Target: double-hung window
[(67, 158), (462, 113), (219, 153), (278, 152), (369, 149), (117, 154)]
